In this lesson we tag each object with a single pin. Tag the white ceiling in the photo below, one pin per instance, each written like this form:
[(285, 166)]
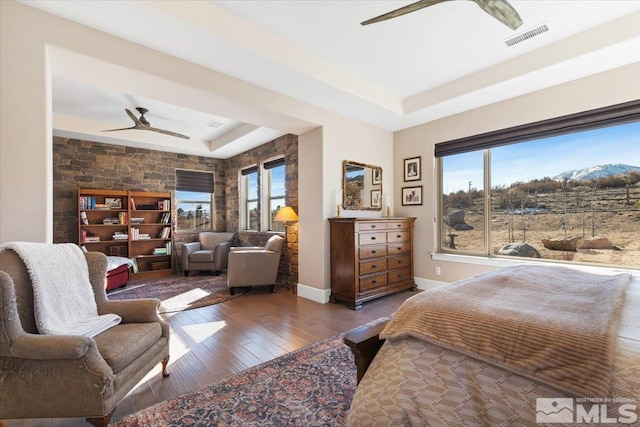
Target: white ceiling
[(429, 64)]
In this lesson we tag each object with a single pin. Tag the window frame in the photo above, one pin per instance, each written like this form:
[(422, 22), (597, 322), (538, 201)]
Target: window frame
[(194, 181), (243, 178), (267, 196), (613, 115)]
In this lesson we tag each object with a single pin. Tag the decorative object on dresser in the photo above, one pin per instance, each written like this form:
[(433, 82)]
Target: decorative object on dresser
[(130, 224), (370, 258)]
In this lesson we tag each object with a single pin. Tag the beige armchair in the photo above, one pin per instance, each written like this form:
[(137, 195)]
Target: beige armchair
[(67, 376), (254, 266), (209, 253)]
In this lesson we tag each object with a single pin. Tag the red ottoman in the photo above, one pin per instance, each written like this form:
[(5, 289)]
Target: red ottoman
[(117, 277)]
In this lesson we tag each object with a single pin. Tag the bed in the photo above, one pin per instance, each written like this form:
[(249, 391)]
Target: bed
[(522, 345)]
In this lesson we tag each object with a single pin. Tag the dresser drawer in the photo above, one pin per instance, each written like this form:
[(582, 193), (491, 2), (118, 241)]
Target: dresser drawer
[(374, 266), (370, 226), (372, 238), (397, 225), (400, 275), (367, 252), (398, 236), (398, 248), (374, 281), (398, 261)]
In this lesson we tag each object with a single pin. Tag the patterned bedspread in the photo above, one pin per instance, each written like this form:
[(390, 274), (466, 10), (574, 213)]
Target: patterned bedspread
[(412, 382)]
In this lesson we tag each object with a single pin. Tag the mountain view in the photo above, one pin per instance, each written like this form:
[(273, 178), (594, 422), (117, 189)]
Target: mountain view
[(596, 172)]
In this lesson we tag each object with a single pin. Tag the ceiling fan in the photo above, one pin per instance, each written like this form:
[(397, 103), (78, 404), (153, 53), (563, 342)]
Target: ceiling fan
[(499, 9), (143, 124)]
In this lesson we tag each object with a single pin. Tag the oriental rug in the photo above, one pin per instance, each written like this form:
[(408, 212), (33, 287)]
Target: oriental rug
[(312, 386), (178, 293)]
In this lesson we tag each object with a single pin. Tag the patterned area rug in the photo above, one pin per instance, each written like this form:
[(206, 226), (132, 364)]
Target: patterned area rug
[(179, 293), (313, 386)]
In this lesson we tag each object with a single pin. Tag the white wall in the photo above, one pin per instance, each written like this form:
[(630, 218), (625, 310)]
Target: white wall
[(28, 36), (613, 87)]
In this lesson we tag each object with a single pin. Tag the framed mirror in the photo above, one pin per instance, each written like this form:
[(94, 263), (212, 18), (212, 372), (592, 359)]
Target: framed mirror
[(361, 186)]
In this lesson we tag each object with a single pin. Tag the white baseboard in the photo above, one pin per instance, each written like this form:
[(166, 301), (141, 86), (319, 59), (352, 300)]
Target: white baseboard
[(426, 284), (322, 295), (314, 294)]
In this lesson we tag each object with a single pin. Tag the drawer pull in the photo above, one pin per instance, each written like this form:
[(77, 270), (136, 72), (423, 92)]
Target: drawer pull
[(373, 252), (399, 236), (373, 238), (374, 281), (373, 266), (373, 226)]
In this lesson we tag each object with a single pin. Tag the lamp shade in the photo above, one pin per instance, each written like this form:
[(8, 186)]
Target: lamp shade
[(286, 214)]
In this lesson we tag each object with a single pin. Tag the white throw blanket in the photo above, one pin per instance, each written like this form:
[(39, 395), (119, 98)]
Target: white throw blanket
[(63, 299)]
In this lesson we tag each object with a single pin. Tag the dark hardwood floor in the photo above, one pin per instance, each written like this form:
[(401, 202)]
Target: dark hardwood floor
[(212, 343)]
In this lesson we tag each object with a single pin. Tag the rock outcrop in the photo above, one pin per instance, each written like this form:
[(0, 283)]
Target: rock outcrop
[(519, 249)]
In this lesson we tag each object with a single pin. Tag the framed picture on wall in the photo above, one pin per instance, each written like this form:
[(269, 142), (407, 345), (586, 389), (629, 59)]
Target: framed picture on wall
[(412, 169), (376, 198), (376, 176), (412, 195)]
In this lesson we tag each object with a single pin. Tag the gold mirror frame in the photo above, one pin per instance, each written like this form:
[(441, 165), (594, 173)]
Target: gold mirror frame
[(361, 192)]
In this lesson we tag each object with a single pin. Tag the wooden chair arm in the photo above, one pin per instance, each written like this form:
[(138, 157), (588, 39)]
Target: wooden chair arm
[(364, 343)]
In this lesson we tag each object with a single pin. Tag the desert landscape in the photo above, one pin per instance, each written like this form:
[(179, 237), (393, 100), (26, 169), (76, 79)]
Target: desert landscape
[(554, 210)]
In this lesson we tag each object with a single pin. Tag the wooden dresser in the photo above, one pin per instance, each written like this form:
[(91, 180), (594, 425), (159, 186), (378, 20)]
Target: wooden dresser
[(370, 257)]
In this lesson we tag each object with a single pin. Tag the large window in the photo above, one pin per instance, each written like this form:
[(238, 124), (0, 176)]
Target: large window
[(274, 193), (567, 189), (262, 194), (250, 214), (194, 196)]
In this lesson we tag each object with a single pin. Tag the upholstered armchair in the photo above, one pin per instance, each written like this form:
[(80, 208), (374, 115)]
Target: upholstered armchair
[(254, 266), (69, 376), (209, 253)]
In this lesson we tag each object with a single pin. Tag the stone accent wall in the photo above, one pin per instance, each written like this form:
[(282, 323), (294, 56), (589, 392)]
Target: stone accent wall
[(86, 164)]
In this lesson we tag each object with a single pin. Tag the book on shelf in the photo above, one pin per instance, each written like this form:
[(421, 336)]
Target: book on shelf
[(87, 202), (119, 235), (165, 218), (132, 204), (136, 235), (165, 233), (160, 251), (83, 218), (137, 220), (164, 205), (122, 217), (111, 221), (87, 237), (168, 246)]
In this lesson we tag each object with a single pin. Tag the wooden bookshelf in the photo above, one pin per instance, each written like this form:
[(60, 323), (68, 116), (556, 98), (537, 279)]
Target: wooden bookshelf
[(143, 219)]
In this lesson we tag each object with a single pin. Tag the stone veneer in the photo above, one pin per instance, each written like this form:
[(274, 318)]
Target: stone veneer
[(85, 164)]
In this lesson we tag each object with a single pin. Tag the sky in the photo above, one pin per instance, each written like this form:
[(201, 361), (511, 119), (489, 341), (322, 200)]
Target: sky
[(545, 157)]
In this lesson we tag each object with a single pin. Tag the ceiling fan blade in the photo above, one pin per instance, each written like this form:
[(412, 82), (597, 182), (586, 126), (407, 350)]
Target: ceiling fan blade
[(166, 132), (133, 117), (402, 11), (502, 11), (113, 130)]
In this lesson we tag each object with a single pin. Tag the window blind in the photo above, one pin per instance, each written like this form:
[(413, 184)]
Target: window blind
[(187, 180), (273, 163), (606, 116), (250, 170)]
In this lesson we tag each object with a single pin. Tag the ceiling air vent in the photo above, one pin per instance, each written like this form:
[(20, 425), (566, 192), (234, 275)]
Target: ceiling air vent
[(527, 35), (214, 123)]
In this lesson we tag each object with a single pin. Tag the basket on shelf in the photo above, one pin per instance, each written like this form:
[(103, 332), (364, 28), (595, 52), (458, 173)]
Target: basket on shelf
[(159, 265)]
